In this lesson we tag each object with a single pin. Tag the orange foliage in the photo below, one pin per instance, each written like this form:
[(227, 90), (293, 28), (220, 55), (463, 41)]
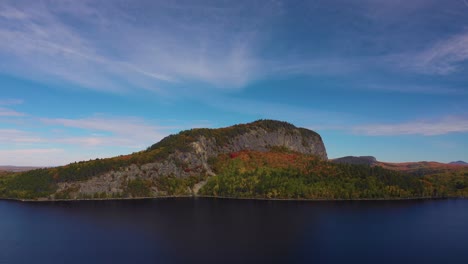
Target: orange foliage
[(123, 157), (254, 159)]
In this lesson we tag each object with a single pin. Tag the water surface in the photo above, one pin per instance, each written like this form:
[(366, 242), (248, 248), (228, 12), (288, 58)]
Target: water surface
[(234, 231)]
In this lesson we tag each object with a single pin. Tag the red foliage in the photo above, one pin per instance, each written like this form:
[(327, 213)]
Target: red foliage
[(254, 159), (234, 155), (123, 157)]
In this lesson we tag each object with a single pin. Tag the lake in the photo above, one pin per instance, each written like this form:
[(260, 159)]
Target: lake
[(234, 231)]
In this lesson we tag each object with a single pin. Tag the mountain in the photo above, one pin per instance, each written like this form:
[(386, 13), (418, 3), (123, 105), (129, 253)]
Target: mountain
[(182, 160), (264, 159), (362, 160), (459, 163)]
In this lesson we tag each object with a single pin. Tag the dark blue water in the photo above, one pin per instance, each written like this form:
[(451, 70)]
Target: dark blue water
[(232, 231)]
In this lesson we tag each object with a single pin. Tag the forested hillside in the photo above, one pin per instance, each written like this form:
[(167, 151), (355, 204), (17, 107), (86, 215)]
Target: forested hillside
[(286, 175)]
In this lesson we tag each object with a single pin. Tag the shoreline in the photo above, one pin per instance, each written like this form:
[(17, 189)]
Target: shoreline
[(230, 198)]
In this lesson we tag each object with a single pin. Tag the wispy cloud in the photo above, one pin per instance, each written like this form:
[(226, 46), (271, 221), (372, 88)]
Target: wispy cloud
[(38, 33), (31, 157), (417, 89), (110, 50), (81, 139), (5, 112), (113, 47), (442, 126), (12, 13), (11, 101), (46, 156), (441, 58), (444, 57), (110, 131), (15, 136)]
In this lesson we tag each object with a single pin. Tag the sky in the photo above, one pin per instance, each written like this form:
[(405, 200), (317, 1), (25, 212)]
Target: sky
[(90, 79)]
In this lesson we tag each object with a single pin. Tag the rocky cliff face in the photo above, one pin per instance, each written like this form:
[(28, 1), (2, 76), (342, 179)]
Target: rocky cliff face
[(194, 159)]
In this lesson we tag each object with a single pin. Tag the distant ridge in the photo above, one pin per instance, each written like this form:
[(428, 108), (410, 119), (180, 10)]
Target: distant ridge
[(361, 160), (460, 162), (416, 168), (17, 168)]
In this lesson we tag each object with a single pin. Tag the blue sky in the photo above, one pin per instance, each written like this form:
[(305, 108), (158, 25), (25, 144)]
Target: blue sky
[(87, 79)]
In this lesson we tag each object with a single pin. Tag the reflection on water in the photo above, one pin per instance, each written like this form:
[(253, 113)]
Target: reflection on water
[(233, 231)]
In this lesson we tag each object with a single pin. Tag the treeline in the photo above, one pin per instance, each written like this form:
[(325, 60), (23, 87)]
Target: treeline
[(323, 180), (449, 183), (352, 182), (43, 182), (27, 185), (279, 173)]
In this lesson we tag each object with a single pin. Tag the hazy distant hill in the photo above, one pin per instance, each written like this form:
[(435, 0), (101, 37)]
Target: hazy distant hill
[(415, 168), (362, 160), (458, 163), (16, 168)]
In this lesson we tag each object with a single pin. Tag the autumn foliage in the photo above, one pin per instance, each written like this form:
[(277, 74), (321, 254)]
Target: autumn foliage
[(289, 175)]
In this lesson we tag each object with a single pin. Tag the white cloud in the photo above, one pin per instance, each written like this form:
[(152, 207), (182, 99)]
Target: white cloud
[(444, 57), (119, 131), (9, 136), (118, 48), (426, 128), (441, 58), (5, 112), (11, 101), (77, 139), (41, 45), (108, 50), (58, 141)]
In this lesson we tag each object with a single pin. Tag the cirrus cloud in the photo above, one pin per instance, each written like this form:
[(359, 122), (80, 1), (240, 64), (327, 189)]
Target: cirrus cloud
[(441, 58), (442, 126)]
